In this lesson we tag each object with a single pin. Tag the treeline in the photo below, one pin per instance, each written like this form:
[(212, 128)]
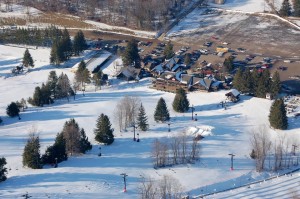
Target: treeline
[(150, 14), (257, 83), (31, 36)]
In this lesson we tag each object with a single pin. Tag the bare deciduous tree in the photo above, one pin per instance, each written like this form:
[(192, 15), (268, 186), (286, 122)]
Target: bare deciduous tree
[(260, 142), (126, 111)]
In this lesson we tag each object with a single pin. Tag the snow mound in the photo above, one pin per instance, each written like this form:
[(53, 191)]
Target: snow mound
[(200, 130)]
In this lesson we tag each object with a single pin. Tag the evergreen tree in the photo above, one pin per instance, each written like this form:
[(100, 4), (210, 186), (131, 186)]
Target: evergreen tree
[(79, 43), (263, 84), (275, 84), (36, 100), (31, 154), (85, 145), (181, 103), (27, 59), (169, 52), (66, 44), (255, 79), (52, 83), (57, 152), (285, 9), (46, 95), (161, 113), (12, 110), (1, 120), (82, 74), (57, 53), (228, 64), (237, 80), (103, 131), (277, 117), (97, 77), (142, 119), (131, 55), (246, 82), (3, 170)]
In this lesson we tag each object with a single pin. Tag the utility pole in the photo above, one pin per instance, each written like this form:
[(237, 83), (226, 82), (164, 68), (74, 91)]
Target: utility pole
[(232, 155), (192, 111), (124, 177), (294, 149)]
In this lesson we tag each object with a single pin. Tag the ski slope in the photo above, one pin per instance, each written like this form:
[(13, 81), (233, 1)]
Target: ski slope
[(91, 176)]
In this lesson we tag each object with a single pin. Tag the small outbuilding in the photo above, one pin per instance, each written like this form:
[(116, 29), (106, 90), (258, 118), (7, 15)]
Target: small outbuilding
[(233, 95)]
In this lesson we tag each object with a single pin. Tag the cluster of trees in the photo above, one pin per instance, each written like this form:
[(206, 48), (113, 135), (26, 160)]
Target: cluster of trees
[(31, 36), (168, 51), (286, 8), (258, 84), (55, 88), (63, 48), (71, 140), (167, 188), (14, 108), (130, 56), (138, 14), (272, 154), (175, 150), (130, 112), (3, 170), (277, 116)]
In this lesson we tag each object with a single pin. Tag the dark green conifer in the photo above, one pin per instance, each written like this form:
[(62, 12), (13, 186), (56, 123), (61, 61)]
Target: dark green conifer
[(103, 131), (181, 103), (142, 120), (277, 117), (161, 113)]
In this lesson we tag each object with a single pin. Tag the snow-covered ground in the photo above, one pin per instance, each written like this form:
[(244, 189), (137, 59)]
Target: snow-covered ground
[(247, 5), (91, 176)]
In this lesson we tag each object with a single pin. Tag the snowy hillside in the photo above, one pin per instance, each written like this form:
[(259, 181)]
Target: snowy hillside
[(91, 176)]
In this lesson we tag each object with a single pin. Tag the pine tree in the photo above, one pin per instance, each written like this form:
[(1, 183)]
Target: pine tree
[(52, 83), (277, 117), (27, 59), (246, 82), (285, 9), (57, 53), (3, 170), (263, 84), (161, 113), (255, 78), (181, 103), (275, 84), (228, 64), (82, 74), (142, 119), (57, 152), (85, 145), (12, 110), (103, 131), (169, 52), (46, 95), (97, 77), (131, 55), (31, 153), (79, 43), (237, 80), (36, 100), (66, 44)]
